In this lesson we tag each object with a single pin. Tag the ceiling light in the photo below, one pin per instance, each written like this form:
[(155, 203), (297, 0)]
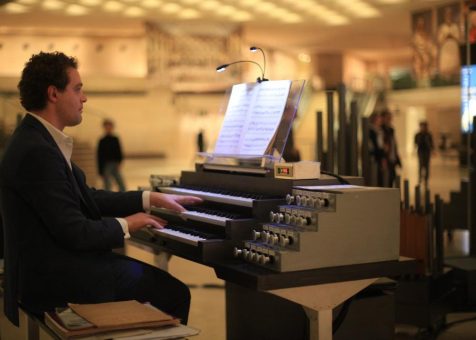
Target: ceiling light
[(189, 13), (241, 16), (151, 3), (76, 10), (322, 12), (304, 58), (264, 7), (190, 2), (170, 8), (278, 12), (53, 4), (113, 6), (12, 7), (336, 20), (249, 3), (362, 10), (225, 10), (90, 2), (134, 11)]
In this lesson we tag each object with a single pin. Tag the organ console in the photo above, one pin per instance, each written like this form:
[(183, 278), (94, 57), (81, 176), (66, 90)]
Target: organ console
[(252, 212), (234, 205)]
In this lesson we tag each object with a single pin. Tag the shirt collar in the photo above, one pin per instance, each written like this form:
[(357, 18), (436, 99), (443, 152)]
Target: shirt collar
[(64, 142)]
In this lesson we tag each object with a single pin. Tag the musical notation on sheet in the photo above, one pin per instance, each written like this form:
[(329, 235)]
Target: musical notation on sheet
[(252, 117)]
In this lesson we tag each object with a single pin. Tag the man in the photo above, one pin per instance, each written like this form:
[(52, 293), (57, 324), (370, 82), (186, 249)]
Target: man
[(376, 146), (59, 232), (424, 144), (109, 156), (392, 158)]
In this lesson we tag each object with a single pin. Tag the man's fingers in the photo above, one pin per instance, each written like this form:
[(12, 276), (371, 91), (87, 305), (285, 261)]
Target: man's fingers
[(155, 224), (173, 205), (174, 202), (177, 201), (190, 200), (158, 220)]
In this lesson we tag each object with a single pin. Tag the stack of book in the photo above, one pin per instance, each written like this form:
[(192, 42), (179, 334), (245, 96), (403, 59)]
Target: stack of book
[(124, 319)]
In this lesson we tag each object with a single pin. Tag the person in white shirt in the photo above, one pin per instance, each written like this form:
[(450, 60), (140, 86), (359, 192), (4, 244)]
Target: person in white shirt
[(59, 232)]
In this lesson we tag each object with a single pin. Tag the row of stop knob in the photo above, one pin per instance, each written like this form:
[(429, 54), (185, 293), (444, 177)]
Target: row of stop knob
[(287, 218), (252, 255), (272, 238), (307, 201)]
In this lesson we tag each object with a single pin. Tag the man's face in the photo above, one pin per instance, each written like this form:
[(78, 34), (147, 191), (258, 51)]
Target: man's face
[(70, 101), (108, 128)]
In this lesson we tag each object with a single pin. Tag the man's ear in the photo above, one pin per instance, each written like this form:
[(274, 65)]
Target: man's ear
[(52, 93)]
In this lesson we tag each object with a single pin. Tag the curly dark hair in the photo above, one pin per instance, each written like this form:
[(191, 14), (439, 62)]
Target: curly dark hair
[(42, 70)]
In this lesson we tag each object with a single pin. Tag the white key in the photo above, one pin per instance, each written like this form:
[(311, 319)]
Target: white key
[(179, 236), (210, 196), (204, 217)]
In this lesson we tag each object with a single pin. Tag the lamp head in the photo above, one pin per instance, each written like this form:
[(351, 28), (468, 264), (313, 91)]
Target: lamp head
[(222, 68), (253, 49)]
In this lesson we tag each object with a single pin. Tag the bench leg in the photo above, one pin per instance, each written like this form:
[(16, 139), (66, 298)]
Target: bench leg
[(33, 331)]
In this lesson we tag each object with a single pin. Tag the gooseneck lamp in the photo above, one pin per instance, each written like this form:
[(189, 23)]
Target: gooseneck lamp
[(223, 67)]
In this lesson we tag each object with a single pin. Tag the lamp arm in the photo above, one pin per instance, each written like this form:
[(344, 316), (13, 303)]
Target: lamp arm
[(249, 61), (264, 60)]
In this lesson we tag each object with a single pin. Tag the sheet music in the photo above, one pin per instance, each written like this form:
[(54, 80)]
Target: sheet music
[(235, 116), (252, 117), (264, 116)]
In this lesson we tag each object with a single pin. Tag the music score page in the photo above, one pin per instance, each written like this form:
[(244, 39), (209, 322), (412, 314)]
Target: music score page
[(252, 117)]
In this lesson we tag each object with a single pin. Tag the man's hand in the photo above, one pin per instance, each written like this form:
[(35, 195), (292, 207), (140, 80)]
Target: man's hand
[(172, 202), (140, 220)]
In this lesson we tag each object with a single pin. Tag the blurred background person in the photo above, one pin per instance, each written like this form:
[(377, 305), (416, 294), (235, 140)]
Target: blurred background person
[(109, 157), (376, 150), (424, 144), (390, 147)]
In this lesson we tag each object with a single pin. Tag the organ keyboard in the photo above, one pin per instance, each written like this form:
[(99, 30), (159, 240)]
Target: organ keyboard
[(212, 196), (234, 205), (178, 235)]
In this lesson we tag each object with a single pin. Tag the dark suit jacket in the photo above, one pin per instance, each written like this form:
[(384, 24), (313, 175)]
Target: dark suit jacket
[(58, 242)]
